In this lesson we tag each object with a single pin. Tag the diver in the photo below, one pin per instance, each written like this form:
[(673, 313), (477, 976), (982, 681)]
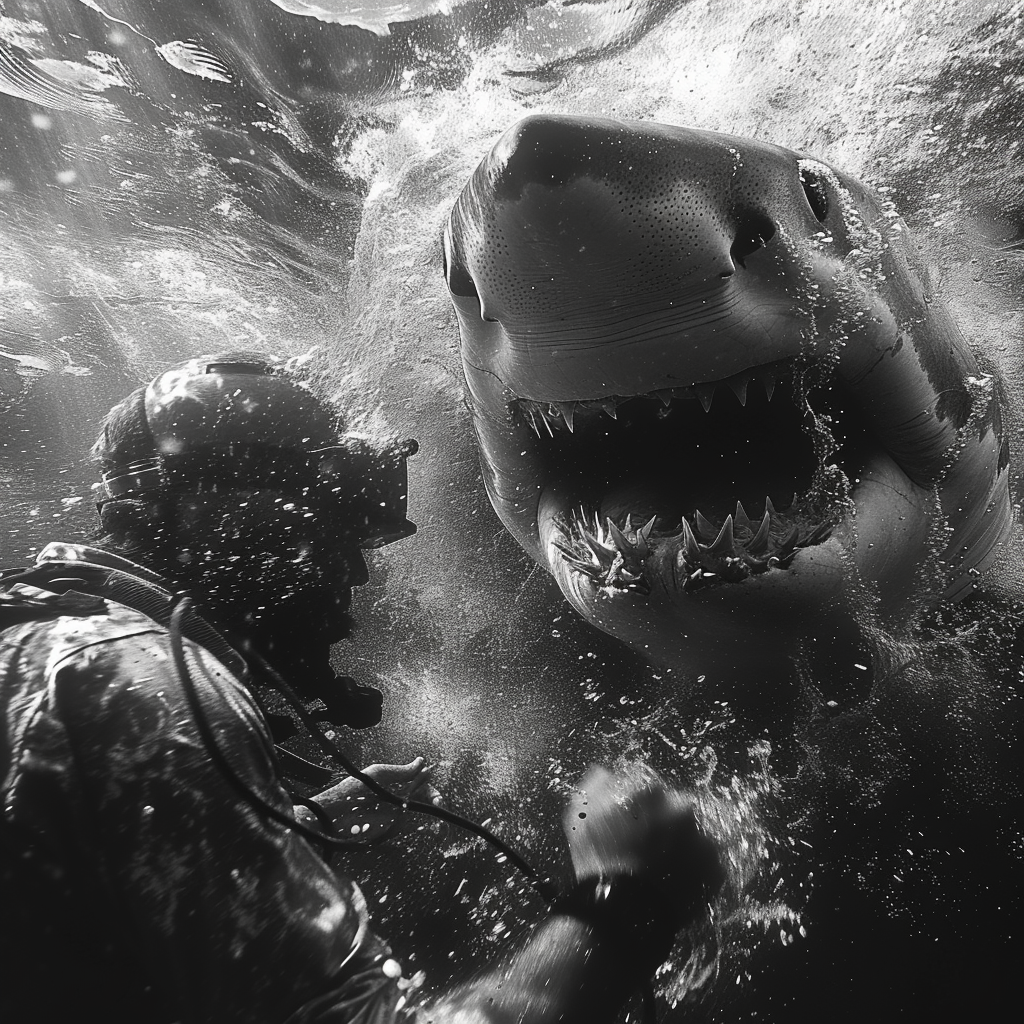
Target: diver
[(153, 863)]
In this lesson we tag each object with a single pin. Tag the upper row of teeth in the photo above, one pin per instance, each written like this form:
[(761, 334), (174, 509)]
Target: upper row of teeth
[(552, 415)]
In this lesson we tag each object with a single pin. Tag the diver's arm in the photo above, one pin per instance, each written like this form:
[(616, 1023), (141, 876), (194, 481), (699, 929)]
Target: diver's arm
[(644, 871), (567, 973)]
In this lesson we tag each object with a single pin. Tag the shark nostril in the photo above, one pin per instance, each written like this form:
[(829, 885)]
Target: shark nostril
[(753, 231), (459, 281)]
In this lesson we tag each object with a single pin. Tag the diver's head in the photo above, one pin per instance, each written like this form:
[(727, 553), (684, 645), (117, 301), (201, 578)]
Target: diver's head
[(230, 477)]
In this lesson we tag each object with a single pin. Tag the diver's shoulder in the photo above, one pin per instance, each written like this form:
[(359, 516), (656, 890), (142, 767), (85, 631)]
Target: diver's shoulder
[(106, 640), (98, 635)]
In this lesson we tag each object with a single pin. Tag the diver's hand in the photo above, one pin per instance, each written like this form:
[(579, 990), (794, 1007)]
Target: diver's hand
[(616, 827), (358, 813)]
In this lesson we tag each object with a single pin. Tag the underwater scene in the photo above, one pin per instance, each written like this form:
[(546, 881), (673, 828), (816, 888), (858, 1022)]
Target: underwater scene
[(707, 319)]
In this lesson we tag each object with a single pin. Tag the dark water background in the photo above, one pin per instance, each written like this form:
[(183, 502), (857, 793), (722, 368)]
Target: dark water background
[(178, 178)]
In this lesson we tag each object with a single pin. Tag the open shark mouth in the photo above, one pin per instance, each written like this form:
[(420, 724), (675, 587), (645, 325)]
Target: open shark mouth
[(726, 480), (713, 392)]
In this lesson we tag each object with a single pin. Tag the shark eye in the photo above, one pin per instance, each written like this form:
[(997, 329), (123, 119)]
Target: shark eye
[(814, 190), (754, 231)]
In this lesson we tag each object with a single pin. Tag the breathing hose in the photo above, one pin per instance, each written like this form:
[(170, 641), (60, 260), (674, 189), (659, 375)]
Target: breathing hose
[(182, 607), (544, 886)]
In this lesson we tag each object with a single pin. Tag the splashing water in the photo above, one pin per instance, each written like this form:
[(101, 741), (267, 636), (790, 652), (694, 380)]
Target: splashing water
[(182, 178)]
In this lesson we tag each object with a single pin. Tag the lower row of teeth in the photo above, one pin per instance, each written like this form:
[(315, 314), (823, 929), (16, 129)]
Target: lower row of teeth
[(614, 556)]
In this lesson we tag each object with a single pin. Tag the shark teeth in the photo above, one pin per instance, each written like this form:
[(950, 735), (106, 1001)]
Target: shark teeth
[(725, 542), (610, 555), (738, 386), (547, 418), (614, 556), (705, 394), (758, 544)]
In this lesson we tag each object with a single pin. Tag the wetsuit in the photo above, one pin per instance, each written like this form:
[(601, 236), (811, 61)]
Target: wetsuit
[(136, 884)]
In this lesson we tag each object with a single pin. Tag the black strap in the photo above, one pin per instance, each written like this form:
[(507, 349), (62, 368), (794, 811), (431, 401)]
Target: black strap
[(630, 910)]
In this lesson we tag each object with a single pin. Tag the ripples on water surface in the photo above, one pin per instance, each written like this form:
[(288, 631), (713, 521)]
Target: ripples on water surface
[(178, 178)]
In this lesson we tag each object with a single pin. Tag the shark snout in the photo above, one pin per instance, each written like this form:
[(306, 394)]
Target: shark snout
[(589, 256)]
